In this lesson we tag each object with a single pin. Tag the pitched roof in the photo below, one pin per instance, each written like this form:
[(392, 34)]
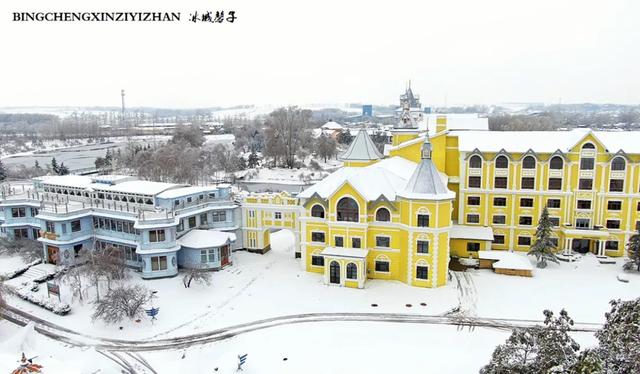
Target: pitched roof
[(427, 182), (361, 148)]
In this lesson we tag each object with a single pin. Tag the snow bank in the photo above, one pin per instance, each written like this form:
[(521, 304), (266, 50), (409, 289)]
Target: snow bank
[(28, 292)]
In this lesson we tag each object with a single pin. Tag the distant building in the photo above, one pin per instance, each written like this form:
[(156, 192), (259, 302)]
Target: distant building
[(367, 110)]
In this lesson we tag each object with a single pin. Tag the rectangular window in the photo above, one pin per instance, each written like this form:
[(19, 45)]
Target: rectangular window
[(423, 220), (611, 245), (499, 219), (34, 212), (585, 184), (339, 241), (317, 237), (20, 234), (527, 183), (616, 185), (64, 228), (189, 199), (475, 182), (422, 272), (524, 240), (35, 233), (383, 241), (526, 202), (473, 218), (317, 260), (525, 220), (423, 246), (382, 266), (76, 226), (587, 163), (498, 239), (555, 183), (176, 202), (203, 219), (500, 182), (473, 247), (584, 204), (355, 242), (582, 223), (555, 221), (50, 226), (613, 224), (156, 236), (200, 197), (203, 256), (499, 201), (192, 222), (17, 212), (473, 200), (614, 205), (119, 226), (158, 263), (553, 203), (278, 215), (180, 226)]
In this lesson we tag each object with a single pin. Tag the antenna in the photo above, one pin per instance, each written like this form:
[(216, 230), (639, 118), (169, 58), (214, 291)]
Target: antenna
[(122, 118)]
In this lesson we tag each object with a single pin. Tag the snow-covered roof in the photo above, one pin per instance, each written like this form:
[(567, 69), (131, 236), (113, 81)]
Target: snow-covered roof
[(544, 141), (385, 177), (462, 121), (185, 191), (345, 252), (471, 232), (206, 239), (506, 260), (427, 182), (136, 187), (331, 125), (79, 181), (361, 148), (112, 178)]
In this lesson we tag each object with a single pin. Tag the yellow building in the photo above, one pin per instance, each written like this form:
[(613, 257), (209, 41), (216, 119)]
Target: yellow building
[(451, 191)]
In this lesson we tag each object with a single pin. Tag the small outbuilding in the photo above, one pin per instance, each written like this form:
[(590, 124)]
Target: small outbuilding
[(504, 262), (208, 249)]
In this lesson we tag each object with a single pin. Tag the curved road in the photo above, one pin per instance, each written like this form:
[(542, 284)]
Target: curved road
[(119, 345)]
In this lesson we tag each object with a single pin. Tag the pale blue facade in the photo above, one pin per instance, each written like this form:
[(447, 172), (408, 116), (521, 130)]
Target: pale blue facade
[(143, 219)]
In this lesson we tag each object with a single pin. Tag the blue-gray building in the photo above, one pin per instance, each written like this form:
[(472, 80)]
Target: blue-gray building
[(150, 222)]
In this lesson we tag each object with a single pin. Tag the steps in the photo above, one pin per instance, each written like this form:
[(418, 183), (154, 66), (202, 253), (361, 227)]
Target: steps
[(38, 271)]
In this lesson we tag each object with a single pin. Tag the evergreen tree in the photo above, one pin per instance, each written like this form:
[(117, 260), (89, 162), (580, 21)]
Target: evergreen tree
[(542, 248), (344, 137), (633, 250), (62, 169), (3, 172), (37, 165), (54, 166), (252, 162), (108, 157), (619, 339)]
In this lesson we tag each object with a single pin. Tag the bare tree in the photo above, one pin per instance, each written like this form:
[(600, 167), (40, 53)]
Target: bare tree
[(122, 302), (196, 272), (286, 132), (29, 250), (74, 279), (325, 147)]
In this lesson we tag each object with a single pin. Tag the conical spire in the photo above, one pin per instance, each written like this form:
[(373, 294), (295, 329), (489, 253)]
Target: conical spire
[(426, 181), (362, 148)]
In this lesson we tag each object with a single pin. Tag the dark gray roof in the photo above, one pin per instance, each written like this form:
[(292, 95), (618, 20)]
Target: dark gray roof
[(426, 181), (361, 148)]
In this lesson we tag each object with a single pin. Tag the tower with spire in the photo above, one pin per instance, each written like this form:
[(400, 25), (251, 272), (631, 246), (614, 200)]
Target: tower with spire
[(362, 151)]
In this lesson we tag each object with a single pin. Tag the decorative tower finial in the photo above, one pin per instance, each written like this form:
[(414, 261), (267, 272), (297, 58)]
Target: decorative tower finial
[(426, 148)]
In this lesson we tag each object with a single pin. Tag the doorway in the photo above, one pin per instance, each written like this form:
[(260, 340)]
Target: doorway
[(334, 272), (52, 254), (581, 245), (224, 255)]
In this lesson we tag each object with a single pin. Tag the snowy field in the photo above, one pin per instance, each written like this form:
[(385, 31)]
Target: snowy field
[(262, 286)]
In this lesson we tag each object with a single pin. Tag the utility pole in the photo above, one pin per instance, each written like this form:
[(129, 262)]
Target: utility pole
[(122, 122)]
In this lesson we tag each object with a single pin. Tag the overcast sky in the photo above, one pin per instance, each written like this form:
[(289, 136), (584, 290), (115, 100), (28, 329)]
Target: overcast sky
[(329, 51)]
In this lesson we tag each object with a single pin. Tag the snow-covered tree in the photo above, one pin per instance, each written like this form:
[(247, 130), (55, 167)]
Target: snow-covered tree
[(253, 160), (537, 349), (54, 166), (344, 137), (63, 169), (542, 248), (3, 172), (196, 272), (122, 302), (619, 339), (633, 251), (325, 147)]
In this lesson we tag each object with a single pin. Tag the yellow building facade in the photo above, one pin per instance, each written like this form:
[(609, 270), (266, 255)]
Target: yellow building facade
[(443, 192)]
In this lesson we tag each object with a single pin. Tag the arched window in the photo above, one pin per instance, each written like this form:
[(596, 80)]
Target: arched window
[(352, 271), (502, 162), (317, 211), (347, 210), (556, 163), (475, 162), (588, 146), (618, 163), (383, 215), (529, 162)]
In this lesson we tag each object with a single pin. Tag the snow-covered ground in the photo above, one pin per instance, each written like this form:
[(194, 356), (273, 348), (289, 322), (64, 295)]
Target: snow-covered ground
[(263, 286)]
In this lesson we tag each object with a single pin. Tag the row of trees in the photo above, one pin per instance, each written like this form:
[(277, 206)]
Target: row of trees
[(551, 349)]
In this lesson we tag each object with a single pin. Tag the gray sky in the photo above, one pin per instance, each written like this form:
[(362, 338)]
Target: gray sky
[(330, 51)]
